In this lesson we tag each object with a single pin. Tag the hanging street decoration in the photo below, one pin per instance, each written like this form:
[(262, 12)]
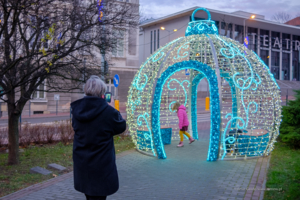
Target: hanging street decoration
[(246, 41), (100, 11)]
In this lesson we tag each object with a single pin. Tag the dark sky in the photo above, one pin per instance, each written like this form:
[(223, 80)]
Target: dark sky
[(159, 8)]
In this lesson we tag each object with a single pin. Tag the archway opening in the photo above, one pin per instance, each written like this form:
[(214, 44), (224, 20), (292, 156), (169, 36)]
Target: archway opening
[(203, 71)]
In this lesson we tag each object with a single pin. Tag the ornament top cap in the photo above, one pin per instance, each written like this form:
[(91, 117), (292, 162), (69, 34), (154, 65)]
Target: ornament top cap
[(201, 26)]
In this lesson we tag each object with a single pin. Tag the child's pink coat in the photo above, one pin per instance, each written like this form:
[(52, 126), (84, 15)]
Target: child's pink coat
[(182, 116)]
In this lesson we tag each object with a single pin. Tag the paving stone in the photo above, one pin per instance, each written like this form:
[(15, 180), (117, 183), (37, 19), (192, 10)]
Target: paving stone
[(185, 174), (57, 167), (40, 170)]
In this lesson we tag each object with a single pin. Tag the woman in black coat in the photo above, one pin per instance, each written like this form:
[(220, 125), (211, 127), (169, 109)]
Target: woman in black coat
[(95, 123)]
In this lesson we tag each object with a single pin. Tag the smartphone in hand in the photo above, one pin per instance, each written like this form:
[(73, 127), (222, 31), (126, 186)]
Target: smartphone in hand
[(108, 97)]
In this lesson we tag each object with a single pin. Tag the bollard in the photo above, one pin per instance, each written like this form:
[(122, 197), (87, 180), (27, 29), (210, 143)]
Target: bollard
[(70, 112), (287, 98), (117, 105), (207, 103)]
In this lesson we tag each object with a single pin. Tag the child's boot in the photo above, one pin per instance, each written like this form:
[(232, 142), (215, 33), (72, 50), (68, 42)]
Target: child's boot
[(180, 144), (191, 140)]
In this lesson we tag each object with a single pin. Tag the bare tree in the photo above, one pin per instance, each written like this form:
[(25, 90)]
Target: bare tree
[(226, 25), (44, 42), (143, 17), (281, 17)]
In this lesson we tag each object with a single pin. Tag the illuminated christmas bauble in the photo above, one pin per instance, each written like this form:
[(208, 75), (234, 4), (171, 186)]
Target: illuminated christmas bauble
[(245, 101)]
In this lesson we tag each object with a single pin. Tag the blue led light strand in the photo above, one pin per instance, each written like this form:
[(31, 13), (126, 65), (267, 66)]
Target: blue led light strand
[(195, 84), (184, 54)]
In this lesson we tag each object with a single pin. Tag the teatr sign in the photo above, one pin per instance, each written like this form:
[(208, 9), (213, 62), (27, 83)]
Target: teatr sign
[(276, 42)]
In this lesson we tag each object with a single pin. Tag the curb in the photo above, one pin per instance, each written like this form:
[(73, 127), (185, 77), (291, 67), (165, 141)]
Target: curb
[(257, 185), (40, 116), (36, 187), (265, 181)]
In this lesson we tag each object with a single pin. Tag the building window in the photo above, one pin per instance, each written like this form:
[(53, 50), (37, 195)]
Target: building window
[(118, 50), (157, 38), (226, 29), (111, 87), (264, 54), (275, 62), (154, 40), (151, 43), (275, 40), (32, 30), (285, 73), (197, 18), (296, 66), (252, 35), (239, 34), (39, 94), (286, 41), (264, 38), (296, 59), (42, 41)]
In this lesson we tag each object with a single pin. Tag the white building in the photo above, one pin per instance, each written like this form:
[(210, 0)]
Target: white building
[(277, 44)]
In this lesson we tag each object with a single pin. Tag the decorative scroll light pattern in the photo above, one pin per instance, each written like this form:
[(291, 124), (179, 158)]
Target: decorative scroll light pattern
[(172, 89), (147, 135)]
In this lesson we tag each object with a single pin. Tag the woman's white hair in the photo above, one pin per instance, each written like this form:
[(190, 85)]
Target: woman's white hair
[(94, 87)]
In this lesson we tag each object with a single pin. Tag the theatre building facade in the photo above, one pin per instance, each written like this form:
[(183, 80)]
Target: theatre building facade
[(277, 44)]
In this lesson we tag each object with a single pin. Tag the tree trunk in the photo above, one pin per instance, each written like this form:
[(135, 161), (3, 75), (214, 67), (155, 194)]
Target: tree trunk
[(13, 130)]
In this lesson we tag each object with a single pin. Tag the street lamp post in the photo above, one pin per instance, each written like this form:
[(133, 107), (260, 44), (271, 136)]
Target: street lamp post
[(84, 61), (252, 17), (164, 29)]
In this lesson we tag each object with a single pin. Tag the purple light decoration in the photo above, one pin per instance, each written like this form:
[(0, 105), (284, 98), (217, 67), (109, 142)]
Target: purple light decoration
[(100, 12)]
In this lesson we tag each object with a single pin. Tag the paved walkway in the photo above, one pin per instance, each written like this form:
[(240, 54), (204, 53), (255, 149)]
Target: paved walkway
[(185, 174)]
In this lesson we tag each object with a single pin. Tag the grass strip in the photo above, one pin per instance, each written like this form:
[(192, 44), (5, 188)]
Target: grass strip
[(283, 177), (17, 177)]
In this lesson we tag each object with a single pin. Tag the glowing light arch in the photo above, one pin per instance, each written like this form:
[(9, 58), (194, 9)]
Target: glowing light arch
[(215, 107)]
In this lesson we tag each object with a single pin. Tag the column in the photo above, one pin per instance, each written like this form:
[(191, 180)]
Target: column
[(280, 61), (233, 31), (258, 42), (270, 47)]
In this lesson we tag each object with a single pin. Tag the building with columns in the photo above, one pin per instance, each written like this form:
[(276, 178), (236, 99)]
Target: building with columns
[(277, 44)]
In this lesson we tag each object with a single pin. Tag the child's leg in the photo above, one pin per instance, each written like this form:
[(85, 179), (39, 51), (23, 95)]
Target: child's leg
[(181, 135), (187, 134)]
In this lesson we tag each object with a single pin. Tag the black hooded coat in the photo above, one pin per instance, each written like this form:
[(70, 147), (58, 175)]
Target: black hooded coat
[(95, 123)]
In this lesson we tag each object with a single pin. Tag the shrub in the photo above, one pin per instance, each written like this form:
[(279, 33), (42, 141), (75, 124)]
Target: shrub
[(49, 133), (290, 125), (66, 131), (24, 136), (37, 133), (3, 135)]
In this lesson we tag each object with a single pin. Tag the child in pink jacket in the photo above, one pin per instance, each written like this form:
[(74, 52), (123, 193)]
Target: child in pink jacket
[(183, 123)]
